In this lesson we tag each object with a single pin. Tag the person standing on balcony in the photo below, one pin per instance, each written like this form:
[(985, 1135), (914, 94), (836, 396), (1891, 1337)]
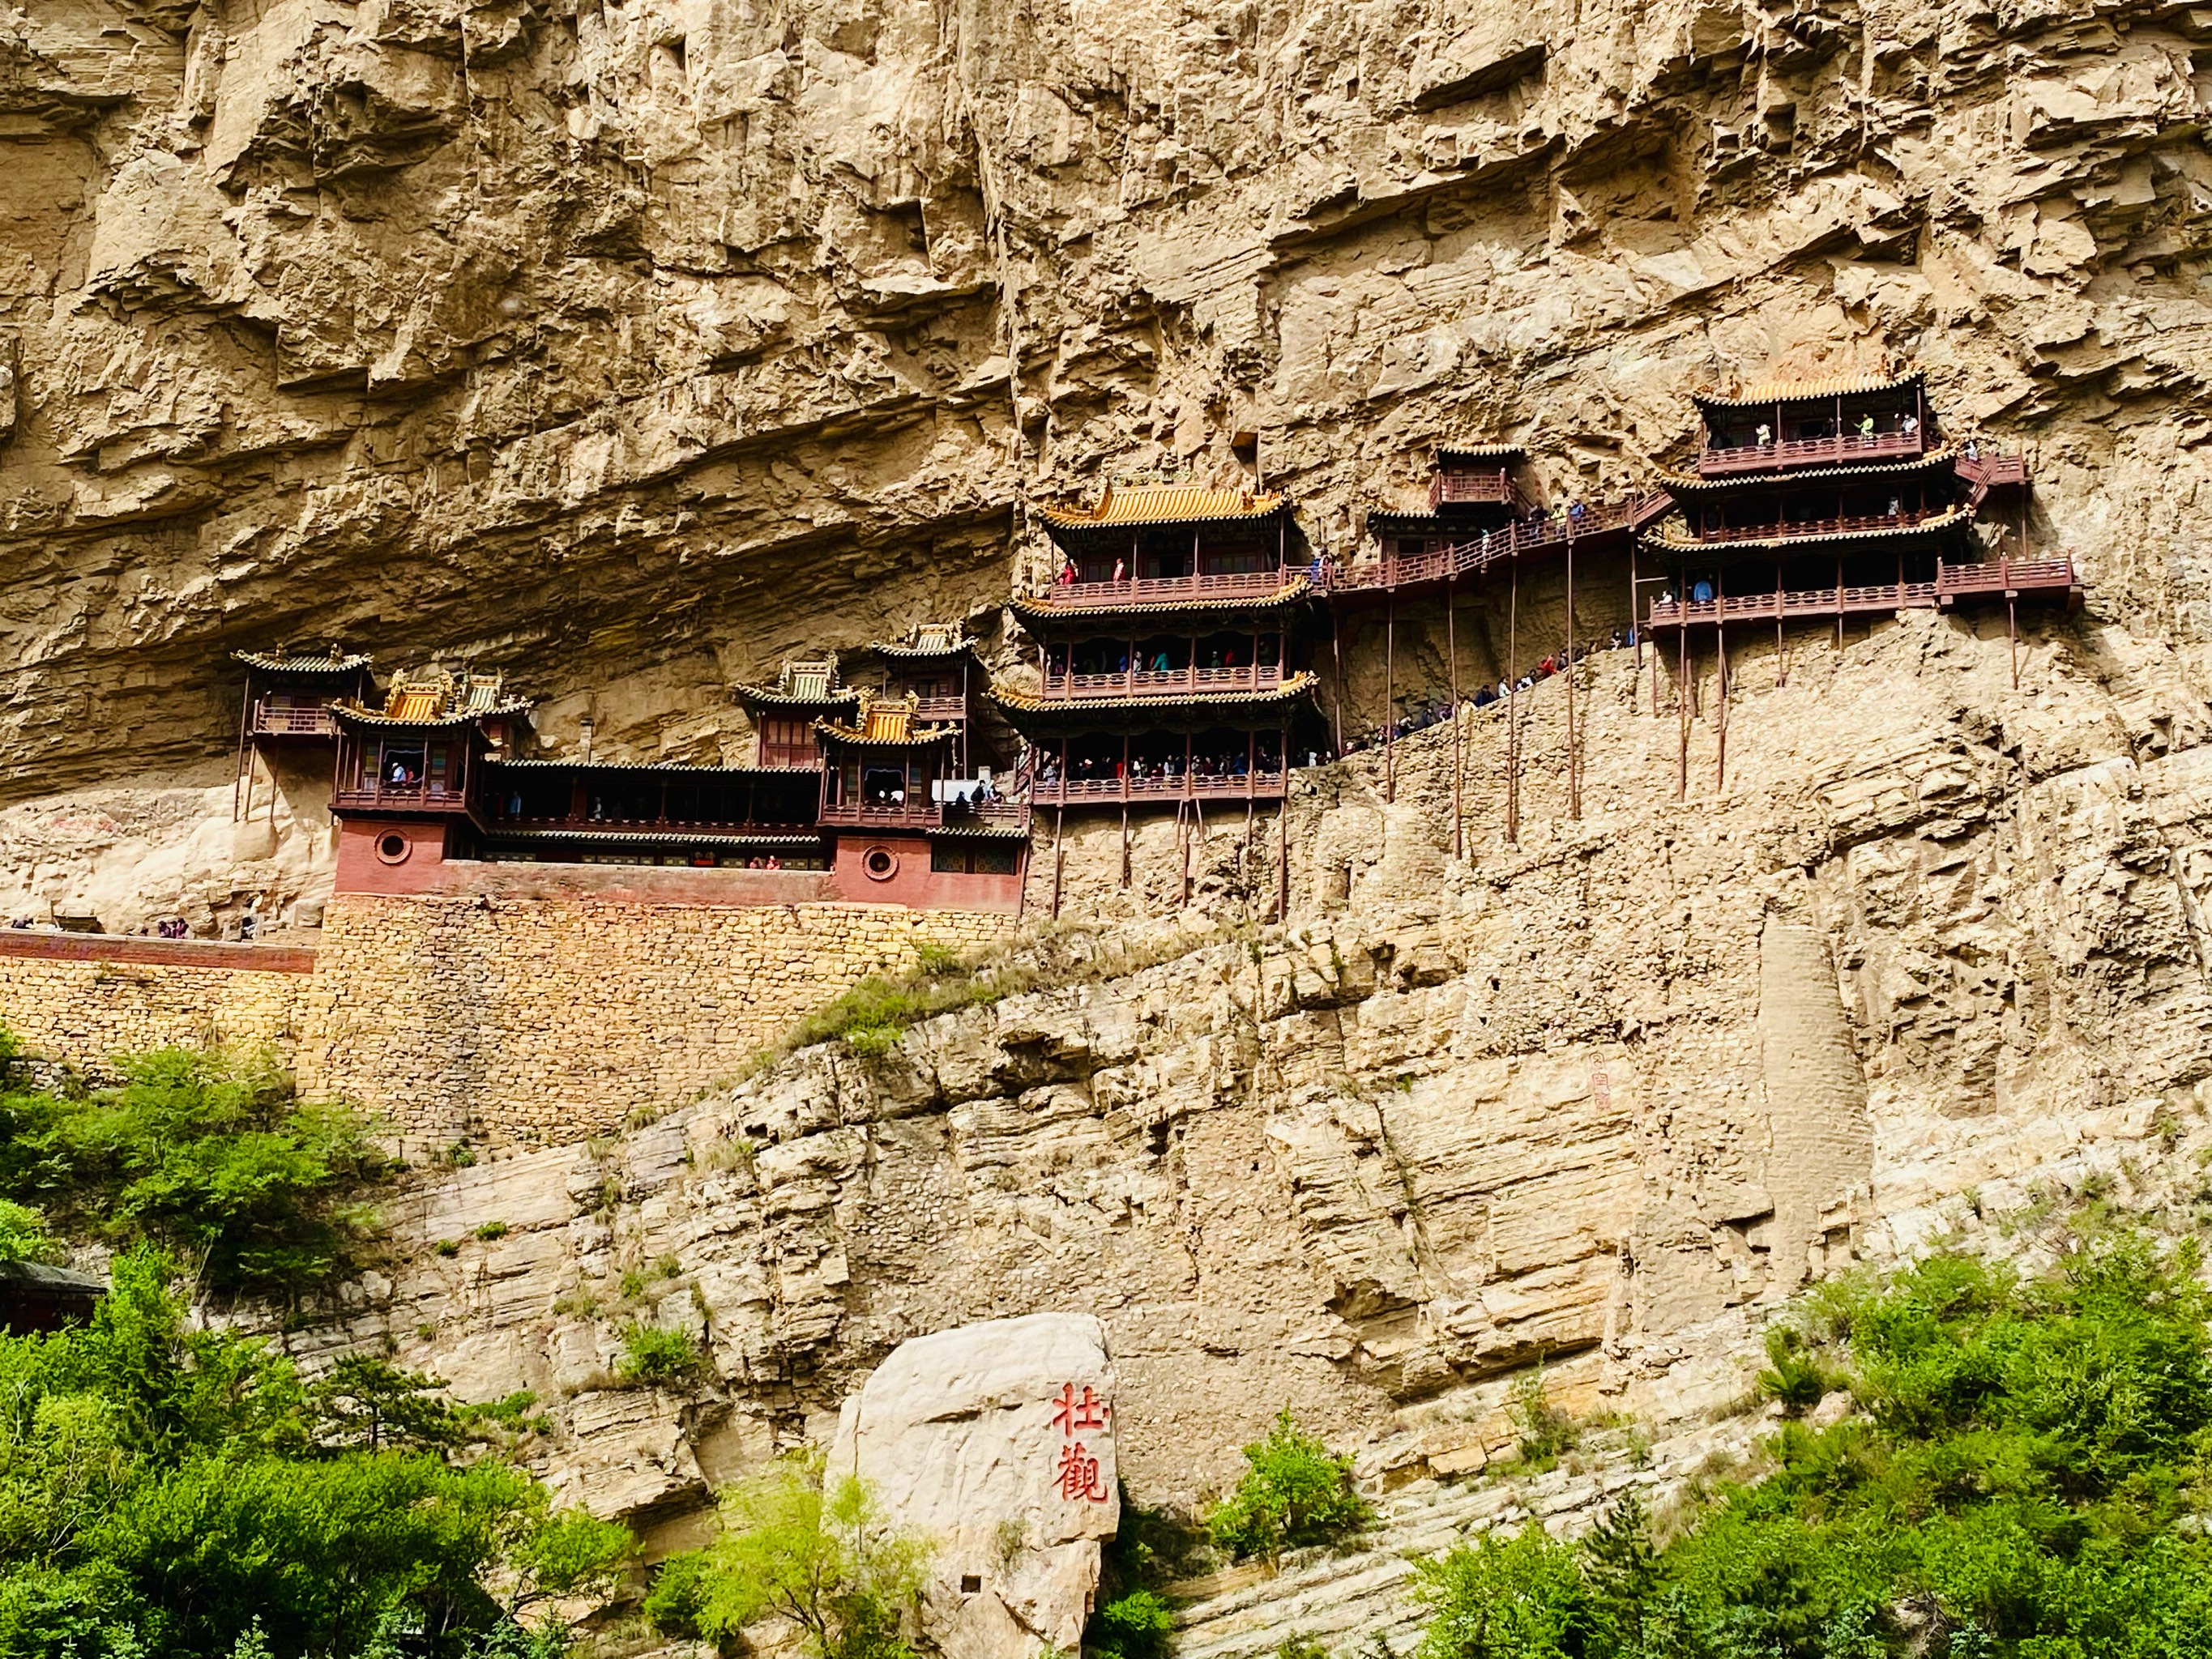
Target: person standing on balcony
[(1120, 569), (1866, 428), (1765, 435)]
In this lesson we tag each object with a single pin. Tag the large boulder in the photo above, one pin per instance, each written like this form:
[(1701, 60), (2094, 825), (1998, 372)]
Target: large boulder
[(995, 1440)]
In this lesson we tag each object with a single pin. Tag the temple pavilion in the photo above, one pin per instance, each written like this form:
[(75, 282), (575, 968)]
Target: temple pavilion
[(1177, 684), (285, 705), (806, 690), (1826, 499), (934, 666)]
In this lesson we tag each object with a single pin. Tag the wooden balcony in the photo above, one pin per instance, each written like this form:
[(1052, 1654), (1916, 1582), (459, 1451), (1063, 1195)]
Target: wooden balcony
[(940, 711), (1983, 473), (2000, 577), (1165, 683), (1809, 452), (271, 721), (1470, 488), (1882, 598), (398, 798), (882, 814), (1163, 590), (1809, 529), (1110, 792), (986, 815)]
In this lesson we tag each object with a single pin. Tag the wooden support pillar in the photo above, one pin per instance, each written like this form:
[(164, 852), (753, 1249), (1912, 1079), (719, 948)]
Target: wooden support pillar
[(1336, 651), (1839, 601), (1283, 834), (1513, 704), (1451, 662), (1781, 662), (1720, 682), (1682, 712), (1574, 758), (1390, 694), (2012, 628), (245, 724), (1059, 862), (1125, 811)]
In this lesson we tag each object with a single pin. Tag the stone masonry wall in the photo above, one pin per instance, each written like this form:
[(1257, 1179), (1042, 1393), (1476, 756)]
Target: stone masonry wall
[(555, 1019), (81, 1002)]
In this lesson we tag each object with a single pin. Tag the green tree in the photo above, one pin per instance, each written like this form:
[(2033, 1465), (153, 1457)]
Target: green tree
[(162, 1497), (368, 1403), (23, 1234), (1293, 1492), (802, 1551), (2027, 1480), (211, 1158)]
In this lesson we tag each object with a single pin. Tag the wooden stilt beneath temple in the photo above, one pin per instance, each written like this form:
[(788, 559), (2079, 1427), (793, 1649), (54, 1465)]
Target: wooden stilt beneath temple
[(1513, 705), (1389, 696), (1459, 726), (1574, 761)]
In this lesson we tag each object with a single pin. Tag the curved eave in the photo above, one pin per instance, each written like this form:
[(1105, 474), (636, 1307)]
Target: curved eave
[(1772, 393), (766, 698), (346, 716), (1480, 452), (268, 664), (979, 832), (1941, 458), (1023, 703), (911, 653), (1289, 593), (1936, 525), (852, 739)]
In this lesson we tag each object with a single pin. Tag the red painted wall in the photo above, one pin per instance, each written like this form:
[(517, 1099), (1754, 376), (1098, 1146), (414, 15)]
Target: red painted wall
[(426, 869), (910, 881), (362, 869)]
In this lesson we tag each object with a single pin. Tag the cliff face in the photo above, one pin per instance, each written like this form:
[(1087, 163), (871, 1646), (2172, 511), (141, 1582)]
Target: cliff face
[(1932, 964), (581, 335)]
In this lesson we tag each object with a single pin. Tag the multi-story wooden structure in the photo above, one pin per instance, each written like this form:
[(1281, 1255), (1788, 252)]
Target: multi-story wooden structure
[(408, 764), (934, 667), (1166, 678), (1823, 500), (1176, 683), (285, 706)]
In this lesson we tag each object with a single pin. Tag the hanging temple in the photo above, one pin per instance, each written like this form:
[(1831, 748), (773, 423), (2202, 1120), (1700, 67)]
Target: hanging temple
[(1186, 655)]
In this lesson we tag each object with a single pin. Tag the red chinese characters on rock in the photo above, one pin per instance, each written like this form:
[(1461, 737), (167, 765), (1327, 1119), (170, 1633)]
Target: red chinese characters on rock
[(1078, 1476)]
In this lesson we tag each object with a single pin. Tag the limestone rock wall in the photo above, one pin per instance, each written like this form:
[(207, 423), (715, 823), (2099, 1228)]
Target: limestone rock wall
[(1923, 960), (574, 336)]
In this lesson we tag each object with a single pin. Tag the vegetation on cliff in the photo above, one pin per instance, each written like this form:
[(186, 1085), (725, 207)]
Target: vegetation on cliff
[(1293, 1492), (803, 1551), (210, 1157), (2026, 1471), (173, 1492)]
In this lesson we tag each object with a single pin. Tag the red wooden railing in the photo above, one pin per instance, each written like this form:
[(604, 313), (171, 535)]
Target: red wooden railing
[(1491, 488), (1800, 452), (399, 797), (1522, 538), (1074, 791), (2010, 576), (1141, 589), (1755, 532), (279, 722), (937, 710)]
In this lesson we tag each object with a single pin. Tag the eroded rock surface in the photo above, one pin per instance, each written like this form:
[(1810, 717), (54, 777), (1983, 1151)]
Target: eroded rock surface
[(995, 1441)]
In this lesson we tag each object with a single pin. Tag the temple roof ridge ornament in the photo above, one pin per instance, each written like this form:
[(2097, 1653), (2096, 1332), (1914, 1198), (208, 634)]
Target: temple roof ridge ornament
[(1130, 505), (1014, 700), (1765, 393), (435, 696), (886, 723), (1186, 595)]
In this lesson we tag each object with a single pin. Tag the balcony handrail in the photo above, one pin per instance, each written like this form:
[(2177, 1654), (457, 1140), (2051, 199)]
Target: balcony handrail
[(282, 719), (1750, 458), (1135, 589), (1904, 519), (1138, 681), (1202, 786)]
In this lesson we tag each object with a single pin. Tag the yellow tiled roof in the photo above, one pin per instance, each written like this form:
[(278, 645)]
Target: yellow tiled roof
[(1791, 391), (884, 720), (1139, 504)]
